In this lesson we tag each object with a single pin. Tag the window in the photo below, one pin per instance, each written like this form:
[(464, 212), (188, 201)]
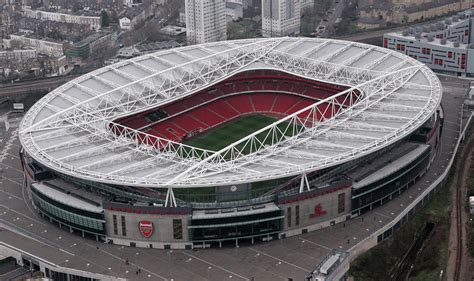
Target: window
[(288, 216), (450, 55), (115, 225), (341, 203), (438, 61), (177, 229), (124, 227), (297, 215)]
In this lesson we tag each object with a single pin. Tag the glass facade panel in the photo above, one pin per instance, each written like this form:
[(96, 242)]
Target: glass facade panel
[(74, 219)]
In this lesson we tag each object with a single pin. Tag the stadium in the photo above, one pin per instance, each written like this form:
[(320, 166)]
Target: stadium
[(230, 142)]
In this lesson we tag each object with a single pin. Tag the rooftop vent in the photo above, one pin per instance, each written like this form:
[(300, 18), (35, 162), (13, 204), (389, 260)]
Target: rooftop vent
[(443, 41), (417, 35), (430, 37), (455, 18), (440, 25), (448, 21), (456, 44), (405, 33)]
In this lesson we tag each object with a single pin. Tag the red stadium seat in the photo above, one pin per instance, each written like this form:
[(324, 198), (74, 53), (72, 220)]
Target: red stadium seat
[(268, 92), (263, 102)]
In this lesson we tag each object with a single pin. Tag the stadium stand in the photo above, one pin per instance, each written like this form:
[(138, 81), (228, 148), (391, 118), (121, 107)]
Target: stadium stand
[(268, 92)]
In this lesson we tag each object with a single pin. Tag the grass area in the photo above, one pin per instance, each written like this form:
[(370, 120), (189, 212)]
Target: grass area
[(233, 131), (220, 137), (377, 263)]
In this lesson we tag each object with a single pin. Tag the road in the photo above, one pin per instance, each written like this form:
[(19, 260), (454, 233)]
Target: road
[(332, 15), (292, 257)]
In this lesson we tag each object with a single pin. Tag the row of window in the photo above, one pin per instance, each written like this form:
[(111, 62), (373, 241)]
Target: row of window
[(428, 51), (71, 219), (60, 276)]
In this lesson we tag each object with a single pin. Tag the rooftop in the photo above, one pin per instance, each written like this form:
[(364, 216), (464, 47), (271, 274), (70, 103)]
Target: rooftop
[(399, 94)]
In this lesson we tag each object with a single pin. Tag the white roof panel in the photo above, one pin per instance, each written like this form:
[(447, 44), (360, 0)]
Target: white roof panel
[(69, 130)]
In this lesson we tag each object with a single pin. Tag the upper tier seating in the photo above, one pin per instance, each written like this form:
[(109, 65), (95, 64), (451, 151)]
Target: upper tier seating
[(258, 91)]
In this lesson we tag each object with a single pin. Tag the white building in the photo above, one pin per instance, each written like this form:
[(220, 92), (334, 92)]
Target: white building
[(42, 46), (132, 3), (125, 23), (280, 17), (446, 46), (18, 55), (93, 22), (205, 21)]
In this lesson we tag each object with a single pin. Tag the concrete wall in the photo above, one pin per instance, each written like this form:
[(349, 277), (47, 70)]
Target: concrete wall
[(316, 212), (162, 229)]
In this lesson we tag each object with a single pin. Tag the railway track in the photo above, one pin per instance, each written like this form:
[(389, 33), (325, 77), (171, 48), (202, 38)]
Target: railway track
[(457, 269), (459, 210), (33, 86)]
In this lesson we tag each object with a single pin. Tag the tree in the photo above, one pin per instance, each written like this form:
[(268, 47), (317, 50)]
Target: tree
[(104, 19)]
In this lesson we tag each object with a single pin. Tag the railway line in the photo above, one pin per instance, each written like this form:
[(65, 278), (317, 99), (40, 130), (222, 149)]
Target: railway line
[(460, 198), (36, 86)]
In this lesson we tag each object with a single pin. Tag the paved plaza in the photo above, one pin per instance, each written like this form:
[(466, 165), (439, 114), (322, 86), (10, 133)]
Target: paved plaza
[(294, 257)]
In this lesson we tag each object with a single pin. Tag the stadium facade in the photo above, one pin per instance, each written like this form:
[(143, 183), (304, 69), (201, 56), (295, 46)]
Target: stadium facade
[(231, 142)]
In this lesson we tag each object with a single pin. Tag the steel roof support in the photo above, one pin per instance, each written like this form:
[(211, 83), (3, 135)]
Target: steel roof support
[(304, 184), (170, 200), (369, 105)]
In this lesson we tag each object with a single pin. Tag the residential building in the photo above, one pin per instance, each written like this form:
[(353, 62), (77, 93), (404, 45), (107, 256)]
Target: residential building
[(446, 46), (130, 18), (280, 17), (91, 44), (18, 55), (125, 23), (44, 46), (132, 3), (205, 21), (379, 13), (94, 22)]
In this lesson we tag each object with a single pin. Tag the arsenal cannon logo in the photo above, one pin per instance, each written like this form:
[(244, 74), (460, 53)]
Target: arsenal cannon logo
[(146, 228), (318, 211)]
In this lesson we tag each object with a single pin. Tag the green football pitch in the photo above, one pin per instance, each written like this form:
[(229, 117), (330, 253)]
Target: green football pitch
[(220, 137)]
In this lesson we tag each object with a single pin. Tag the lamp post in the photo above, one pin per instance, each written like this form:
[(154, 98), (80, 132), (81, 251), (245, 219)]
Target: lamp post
[(208, 272)]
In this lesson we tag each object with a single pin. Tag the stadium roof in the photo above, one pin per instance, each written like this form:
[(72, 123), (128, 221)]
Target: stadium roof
[(69, 129)]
